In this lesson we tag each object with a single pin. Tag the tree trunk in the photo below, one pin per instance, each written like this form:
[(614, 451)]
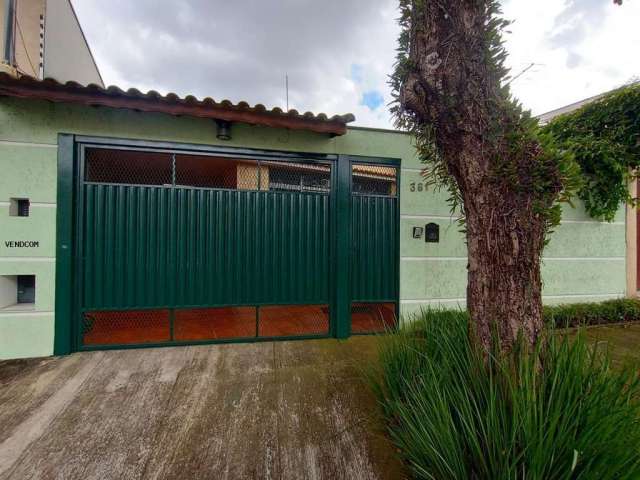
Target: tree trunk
[(504, 287), (451, 95)]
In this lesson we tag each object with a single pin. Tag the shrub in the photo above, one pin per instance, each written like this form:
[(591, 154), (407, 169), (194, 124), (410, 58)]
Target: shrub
[(603, 138), (619, 310), (455, 414), (581, 314)]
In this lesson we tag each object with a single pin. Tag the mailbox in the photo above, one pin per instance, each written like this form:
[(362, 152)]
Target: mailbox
[(432, 233)]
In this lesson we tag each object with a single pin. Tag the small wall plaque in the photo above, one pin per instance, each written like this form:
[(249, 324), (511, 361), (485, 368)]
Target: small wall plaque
[(417, 232), (432, 233)]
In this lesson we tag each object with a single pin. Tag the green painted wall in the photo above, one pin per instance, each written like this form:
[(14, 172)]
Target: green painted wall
[(585, 260)]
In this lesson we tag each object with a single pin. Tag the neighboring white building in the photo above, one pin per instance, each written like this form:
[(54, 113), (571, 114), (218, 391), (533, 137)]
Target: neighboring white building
[(43, 39)]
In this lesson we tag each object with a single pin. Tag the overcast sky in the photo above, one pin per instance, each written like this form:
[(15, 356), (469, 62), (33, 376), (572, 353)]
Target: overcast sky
[(338, 53)]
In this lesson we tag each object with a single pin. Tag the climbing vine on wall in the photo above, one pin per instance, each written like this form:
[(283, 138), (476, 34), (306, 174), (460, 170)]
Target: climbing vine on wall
[(604, 137)]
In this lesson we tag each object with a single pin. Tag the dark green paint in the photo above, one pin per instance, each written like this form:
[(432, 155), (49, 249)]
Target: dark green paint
[(342, 314), (257, 247), (374, 253), (64, 244)]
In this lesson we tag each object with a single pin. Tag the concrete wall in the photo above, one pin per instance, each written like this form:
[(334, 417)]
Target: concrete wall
[(66, 52), (585, 260)]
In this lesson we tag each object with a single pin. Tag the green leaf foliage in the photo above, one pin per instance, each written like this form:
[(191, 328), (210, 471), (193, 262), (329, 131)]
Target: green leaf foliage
[(604, 138), (456, 414)]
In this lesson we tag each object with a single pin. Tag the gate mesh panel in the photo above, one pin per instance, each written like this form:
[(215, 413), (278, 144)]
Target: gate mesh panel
[(132, 167), (297, 177), (125, 327), (149, 168), (374, 180), (372, 317), (214, 323), (128, 167), (216, 172), (290, 320)]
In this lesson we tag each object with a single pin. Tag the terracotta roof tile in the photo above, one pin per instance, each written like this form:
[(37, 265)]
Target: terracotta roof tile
[(152, 101)]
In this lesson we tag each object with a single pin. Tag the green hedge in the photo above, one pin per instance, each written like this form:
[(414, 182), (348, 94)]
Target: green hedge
[(620, 310), (600, 313)]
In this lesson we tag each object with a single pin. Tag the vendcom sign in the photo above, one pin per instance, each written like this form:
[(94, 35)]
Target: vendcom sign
[(21, 244)]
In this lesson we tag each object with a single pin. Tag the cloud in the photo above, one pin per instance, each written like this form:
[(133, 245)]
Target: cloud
[(577, 20), (335, 51), (242, 50), (580, 48), (574, 60)]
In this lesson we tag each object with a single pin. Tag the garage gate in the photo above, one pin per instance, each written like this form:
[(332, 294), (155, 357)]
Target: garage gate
[(175, 246)]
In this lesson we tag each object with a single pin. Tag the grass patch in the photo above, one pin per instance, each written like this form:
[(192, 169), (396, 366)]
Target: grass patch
[(454, 415)]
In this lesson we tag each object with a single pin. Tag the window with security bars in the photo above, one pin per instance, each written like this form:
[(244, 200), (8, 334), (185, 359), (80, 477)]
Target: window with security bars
[(374, 180), (298, 177)]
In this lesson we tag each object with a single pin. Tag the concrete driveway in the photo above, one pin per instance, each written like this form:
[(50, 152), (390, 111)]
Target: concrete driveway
[(282, 410)]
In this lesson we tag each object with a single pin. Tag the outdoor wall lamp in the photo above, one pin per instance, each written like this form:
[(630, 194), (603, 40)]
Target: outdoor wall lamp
[(223, 130)]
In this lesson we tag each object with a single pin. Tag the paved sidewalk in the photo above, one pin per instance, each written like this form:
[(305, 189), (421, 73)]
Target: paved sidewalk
[(283, 410)]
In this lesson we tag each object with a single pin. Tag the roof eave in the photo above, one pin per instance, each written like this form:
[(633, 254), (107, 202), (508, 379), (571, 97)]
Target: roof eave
[(172, 105)]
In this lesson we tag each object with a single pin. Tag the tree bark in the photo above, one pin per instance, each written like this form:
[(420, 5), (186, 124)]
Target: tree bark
[(504, 285), (452, 90)]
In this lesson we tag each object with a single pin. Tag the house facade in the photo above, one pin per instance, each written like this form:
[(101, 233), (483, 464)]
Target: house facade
[(131, 219)]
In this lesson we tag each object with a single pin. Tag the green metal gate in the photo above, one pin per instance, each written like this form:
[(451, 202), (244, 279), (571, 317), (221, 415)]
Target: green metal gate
[(374, 260), (180, 248), (162, 243)]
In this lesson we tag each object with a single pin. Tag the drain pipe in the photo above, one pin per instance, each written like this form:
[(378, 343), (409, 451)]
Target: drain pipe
[(9, 40)]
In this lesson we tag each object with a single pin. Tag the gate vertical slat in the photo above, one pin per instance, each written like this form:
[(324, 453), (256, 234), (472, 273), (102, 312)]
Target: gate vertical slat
[(89, 245), (98, 246), (374, 272)]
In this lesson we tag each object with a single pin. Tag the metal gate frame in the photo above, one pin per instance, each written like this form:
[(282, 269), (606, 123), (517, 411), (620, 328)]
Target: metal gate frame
[(70, 165)]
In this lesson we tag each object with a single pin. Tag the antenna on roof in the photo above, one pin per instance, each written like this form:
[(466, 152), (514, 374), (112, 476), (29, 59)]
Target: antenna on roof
[(286, 88)]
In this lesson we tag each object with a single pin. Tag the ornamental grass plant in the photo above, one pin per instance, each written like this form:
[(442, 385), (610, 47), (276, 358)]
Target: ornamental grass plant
[(561, 412)]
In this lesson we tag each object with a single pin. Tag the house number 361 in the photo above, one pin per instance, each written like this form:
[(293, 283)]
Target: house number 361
[(417, 187)]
